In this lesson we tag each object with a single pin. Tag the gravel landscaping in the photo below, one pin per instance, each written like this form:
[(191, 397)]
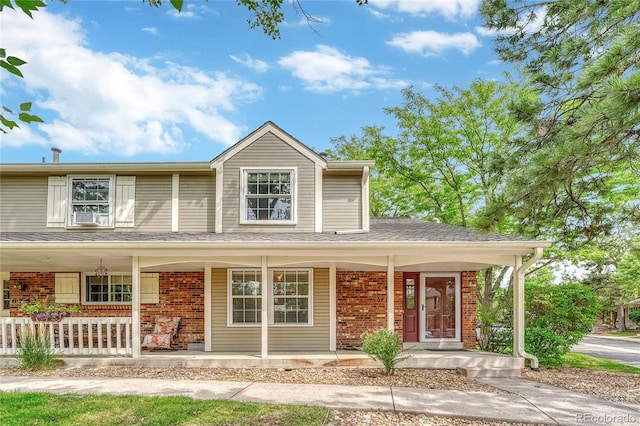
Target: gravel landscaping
[(619, 387)]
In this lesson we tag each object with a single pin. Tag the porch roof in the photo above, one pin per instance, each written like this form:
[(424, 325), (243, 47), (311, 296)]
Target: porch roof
[(381, 230), (414, 245)]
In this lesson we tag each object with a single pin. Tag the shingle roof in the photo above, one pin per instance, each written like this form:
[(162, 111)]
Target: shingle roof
[(381, 230)]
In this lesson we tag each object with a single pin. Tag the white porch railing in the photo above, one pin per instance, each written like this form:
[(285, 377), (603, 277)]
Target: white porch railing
[(72, 335)]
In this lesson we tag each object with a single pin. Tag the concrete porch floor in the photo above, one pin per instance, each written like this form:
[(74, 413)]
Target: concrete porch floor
[(469, 360)]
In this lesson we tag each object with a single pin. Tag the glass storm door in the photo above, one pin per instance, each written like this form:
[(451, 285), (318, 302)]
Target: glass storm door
[(440, 307)]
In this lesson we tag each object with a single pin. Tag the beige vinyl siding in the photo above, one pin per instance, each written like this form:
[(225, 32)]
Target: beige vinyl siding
[(23, 204), (197, 203), (225, 338), (269, 151), (307, 338), (153, 203), (281, 338), (342, 202)]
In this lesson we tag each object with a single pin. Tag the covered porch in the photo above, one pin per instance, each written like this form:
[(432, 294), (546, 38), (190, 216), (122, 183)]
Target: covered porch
[(118, 332)]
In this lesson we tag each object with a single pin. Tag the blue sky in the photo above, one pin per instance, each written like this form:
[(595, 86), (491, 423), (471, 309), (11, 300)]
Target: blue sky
[(122, 81)]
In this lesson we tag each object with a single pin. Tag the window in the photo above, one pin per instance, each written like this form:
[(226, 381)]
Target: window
[(91, 201), (109, 289), (246, 297), (6, 301), (289, 295), (268, 196)]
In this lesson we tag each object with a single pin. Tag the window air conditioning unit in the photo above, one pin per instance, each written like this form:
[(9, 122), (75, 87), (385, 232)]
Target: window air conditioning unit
[(86, 218)]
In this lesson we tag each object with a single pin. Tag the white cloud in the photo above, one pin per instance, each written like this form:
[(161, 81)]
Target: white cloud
[(150, 30), (328, 70), (255, 64), (450, 9), (111, 102), (432, 43)]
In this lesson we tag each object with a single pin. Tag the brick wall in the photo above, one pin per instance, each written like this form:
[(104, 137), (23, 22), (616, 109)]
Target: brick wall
[(469, 289), (181, 295), (361, 305)]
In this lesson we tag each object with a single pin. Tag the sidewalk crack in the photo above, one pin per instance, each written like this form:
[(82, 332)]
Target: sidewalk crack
[(241, 390)]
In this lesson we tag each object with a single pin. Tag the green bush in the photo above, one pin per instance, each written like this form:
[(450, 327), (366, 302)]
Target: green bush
[(385, 346), (635, 316), (556, 318), (35, 352)]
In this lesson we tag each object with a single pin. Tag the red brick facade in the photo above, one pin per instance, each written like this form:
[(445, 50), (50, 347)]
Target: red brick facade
[(362, 306), (469, 290), (181, 295)]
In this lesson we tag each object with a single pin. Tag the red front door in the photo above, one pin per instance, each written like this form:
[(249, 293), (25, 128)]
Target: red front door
[(410, 320)]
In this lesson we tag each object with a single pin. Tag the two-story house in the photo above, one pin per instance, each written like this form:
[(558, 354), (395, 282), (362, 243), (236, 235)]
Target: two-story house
[(266, 248)]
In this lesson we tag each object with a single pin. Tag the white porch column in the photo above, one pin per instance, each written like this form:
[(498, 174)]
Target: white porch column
[(135, 306), (207, 307), (390, 292), (264, 346), (518, 306), (332, 307)]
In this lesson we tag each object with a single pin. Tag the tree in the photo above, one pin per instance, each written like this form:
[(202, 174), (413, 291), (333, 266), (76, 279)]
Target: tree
[(12, 64), (579, 170), (449, 162)]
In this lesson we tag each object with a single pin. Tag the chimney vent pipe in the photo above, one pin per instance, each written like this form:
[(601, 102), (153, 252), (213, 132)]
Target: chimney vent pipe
[(56, 154)]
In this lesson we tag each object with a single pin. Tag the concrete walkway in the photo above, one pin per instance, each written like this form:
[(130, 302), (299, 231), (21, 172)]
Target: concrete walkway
[(529, 402)]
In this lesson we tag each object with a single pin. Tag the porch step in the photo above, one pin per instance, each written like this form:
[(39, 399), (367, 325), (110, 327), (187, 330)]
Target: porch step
[(489, 372)]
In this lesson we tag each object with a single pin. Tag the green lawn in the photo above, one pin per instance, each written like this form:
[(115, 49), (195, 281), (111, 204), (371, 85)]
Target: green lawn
[(625, 333), (577, 360), (43, 408)]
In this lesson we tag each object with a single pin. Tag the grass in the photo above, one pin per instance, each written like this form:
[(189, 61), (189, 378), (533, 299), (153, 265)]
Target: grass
[(102, 410), (625, 333), (576, 360)]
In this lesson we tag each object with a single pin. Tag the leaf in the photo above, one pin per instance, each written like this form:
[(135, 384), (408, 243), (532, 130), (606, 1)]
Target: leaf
[(16, 62), (25, 106), (6, 3), (13, 70), (29, 118), (3, 52), (7, 109), (8, 123), (177, 4)]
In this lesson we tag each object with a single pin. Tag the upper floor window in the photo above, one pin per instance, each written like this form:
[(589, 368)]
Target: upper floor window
[(268, 196), (91, 201)]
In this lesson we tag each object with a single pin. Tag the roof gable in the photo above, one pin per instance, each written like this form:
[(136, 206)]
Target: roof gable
[(269, 127)]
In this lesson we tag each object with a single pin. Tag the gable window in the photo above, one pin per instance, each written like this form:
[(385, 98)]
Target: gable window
[(109, 289), (289, 294), (91, 201), (268, 196)]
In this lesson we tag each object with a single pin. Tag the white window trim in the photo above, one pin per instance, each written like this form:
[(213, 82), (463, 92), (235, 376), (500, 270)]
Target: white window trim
[(243, 192), (269, 290), (112, 199), (230, 322), (85, 289)]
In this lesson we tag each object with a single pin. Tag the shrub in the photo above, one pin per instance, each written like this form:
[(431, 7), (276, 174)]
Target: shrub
[(385, 346), (634, 316), (35, 352), (556, 318)]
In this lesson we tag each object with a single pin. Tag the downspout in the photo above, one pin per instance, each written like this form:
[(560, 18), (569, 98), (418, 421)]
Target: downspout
[(518, 301)]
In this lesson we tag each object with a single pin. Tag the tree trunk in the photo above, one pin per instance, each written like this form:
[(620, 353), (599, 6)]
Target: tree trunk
[(622, 326)]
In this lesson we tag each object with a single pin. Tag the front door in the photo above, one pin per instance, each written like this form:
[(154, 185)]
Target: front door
[(411, 318), (440, 307)]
